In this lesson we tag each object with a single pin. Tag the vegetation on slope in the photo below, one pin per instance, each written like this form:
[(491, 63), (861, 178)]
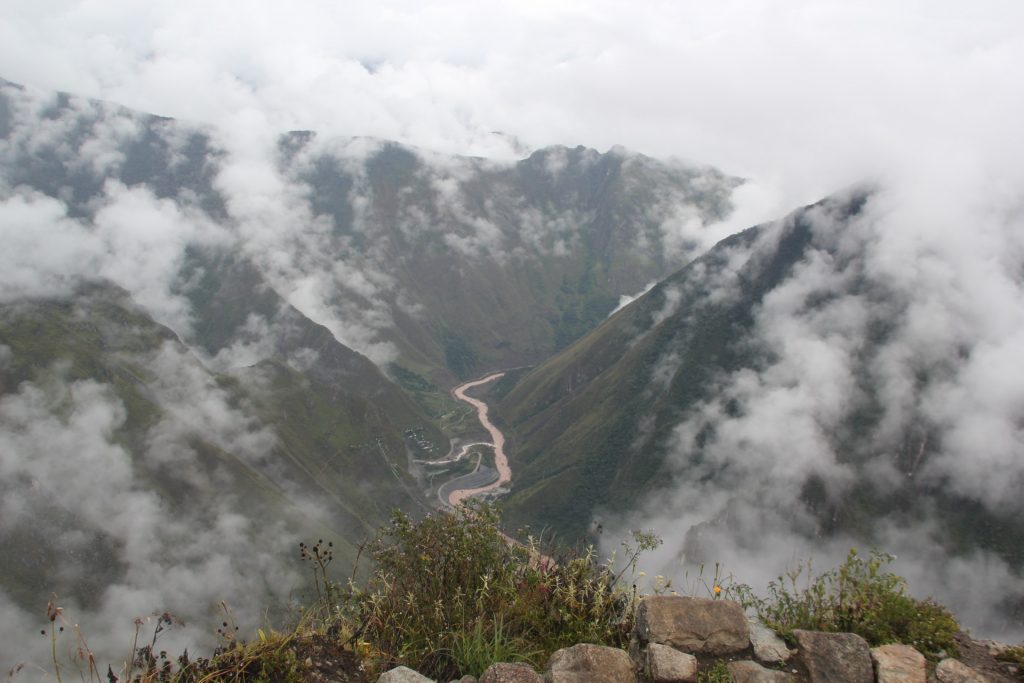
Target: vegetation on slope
[(594, 427), (450, 594), (335, 447)]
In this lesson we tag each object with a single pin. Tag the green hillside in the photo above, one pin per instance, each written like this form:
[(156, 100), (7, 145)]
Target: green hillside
[(513, 261), (293, 455), (592, 428)]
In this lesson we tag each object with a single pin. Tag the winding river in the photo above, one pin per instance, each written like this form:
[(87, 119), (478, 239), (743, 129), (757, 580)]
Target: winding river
[(457, 496)]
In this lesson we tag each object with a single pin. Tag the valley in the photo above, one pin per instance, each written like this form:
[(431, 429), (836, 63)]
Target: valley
[(246, 369), (470, 485)]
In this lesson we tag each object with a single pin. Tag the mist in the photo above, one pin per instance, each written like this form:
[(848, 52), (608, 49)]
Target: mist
[(913, 309), (118, 546), (797, 99)]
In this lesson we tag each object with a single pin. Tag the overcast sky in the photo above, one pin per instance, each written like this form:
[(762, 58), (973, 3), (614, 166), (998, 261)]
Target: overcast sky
[(802, 96)]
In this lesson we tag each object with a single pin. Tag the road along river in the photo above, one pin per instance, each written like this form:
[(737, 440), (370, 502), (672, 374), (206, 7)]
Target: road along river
[(458, 495)]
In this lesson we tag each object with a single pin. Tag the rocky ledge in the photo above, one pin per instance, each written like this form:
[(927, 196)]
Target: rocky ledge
[(677, 638)]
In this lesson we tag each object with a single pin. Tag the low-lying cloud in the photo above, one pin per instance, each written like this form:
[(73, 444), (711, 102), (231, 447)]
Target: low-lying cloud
[(922, 98), (71, 484), (884, 358)]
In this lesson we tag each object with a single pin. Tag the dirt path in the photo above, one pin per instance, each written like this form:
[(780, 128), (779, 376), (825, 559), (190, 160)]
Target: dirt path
[(456, 497)]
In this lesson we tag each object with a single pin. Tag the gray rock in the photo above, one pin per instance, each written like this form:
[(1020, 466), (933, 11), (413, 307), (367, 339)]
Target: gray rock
[(590, 664), (668, 665), (694, 625), (955, 671), (832, 657), (402, 674), (768, 647), (511, 673), (752, 672), (898, 664)]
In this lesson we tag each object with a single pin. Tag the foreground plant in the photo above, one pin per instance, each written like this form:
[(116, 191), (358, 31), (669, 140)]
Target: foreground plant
[(856, 597), (451, 594)]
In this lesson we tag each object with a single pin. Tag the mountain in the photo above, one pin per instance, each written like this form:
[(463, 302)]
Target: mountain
[(214, 344), (780, 392), (404, 255), (551, 241), (130, 469)]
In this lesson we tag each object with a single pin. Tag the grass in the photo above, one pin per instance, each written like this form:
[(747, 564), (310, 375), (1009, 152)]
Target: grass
[(719, 673), (474, 650), (450, 595)]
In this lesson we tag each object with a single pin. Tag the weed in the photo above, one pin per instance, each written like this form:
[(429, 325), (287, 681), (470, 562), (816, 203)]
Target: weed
[(319, 557), (147, 658), (718, 586), (451, 594), (719, 673), (1014, 655), (52, 613), (856, 597), (474, 650)]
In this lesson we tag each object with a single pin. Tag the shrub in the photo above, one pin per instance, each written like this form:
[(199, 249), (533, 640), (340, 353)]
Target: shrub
[(451, 594), (856, 597), (1014, 655)]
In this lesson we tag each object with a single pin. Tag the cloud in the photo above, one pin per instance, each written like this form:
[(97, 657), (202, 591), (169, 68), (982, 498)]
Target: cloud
[(135, 240), (27, 223), (909, 311), (801, 98), (627, 299), (68, 475)]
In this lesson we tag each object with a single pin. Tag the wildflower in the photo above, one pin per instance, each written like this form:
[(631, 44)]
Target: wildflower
[(718, 590)]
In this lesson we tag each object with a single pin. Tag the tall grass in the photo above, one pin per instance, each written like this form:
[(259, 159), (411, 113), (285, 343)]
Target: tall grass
[(451, 594)]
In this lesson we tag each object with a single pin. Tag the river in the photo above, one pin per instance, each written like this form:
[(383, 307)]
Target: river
[(457, 496)]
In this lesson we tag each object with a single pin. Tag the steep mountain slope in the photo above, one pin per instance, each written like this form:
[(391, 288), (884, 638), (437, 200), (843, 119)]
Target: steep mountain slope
[(592, 420), (755, 391), (447, 266), (550, 242), (129, 468)]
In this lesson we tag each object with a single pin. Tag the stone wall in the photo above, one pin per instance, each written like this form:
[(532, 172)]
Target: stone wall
[(679, 639)]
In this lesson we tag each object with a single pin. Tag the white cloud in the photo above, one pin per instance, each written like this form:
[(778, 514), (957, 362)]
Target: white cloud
[(802, 97), (60, 451), (135, 240), (45, 252), (627, 299), (918, 300)]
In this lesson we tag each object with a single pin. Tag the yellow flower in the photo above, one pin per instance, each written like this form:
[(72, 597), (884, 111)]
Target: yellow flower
[(718, 590)]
